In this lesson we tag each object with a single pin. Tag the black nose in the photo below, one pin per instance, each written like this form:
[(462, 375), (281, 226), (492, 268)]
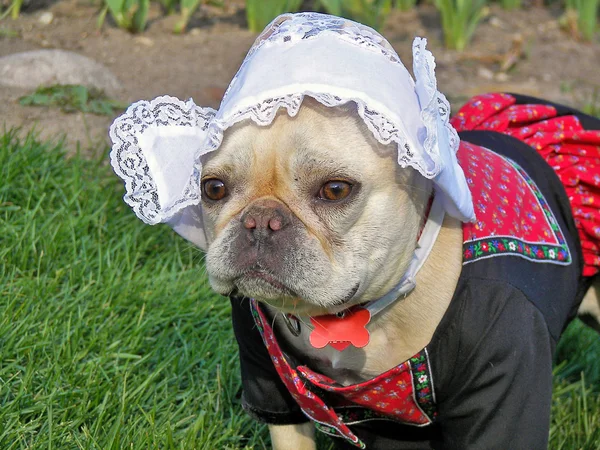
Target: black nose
[(265, 218)]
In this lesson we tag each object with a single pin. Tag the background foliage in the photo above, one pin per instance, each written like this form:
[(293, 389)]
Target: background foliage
[(459, 18)]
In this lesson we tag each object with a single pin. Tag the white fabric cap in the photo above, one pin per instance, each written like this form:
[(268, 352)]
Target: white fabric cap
[(157, 145)]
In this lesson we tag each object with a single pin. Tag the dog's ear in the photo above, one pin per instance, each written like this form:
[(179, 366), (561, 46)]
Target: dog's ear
[(156, 146)]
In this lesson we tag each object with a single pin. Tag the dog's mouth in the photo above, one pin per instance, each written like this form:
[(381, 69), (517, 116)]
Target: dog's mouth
[(261, 283), (268, 287), (268, 278)]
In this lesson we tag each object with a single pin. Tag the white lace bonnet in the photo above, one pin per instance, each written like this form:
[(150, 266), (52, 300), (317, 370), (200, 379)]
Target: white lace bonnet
[(158, 145)]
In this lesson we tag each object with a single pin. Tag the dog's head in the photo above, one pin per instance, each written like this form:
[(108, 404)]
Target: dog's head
[(310, 214), (310, 211)]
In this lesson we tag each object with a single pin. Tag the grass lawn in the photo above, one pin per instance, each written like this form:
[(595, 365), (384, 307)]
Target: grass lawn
[(110, 337)]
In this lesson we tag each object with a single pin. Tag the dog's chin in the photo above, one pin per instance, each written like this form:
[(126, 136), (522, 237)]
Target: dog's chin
[(254, 284), (268, 289), (264, 286)]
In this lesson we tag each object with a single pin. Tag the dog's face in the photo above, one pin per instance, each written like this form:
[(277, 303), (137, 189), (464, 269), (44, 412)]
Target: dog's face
[(310, 214)]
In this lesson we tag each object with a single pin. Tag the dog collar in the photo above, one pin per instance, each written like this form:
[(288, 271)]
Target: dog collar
[(349, 327)]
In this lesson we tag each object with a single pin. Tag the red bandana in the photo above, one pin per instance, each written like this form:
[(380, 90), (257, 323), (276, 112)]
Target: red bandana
[(403, 394)]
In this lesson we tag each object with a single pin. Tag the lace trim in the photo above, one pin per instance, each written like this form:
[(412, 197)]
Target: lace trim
[(129, 162), (434, 105), (383, 129), (289, 29)]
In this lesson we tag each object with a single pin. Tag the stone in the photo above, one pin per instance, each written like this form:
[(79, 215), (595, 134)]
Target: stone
[(485, 73), (29, 70), (143, 40), (46, 18), (496, 22)]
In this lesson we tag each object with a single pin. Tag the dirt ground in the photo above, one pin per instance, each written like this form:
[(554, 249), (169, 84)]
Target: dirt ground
[(525, 52)]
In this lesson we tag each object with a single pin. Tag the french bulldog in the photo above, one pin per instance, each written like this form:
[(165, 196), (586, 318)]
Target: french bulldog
[(311, 216), (391, 285)]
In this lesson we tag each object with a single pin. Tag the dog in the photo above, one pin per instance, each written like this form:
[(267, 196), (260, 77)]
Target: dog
[(283, 238), (332, 245), (372, 298)]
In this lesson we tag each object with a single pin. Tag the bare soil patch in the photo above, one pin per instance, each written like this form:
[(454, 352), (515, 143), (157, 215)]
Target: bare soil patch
[(544, 60)]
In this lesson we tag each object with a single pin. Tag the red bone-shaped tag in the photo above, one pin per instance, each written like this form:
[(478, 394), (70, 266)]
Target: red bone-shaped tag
[(340, 332)]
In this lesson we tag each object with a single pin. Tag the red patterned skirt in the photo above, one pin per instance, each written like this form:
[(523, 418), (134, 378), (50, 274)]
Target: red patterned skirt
[(568, 140)]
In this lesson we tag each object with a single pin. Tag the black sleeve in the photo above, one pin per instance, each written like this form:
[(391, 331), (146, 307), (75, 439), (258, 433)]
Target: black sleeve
[(500, 393), (264, 397)]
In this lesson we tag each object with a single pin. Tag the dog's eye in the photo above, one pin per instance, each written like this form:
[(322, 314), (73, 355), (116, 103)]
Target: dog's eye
[(214, 189), (335, 190)]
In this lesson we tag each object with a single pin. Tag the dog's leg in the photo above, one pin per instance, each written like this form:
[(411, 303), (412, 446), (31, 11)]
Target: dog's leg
[(293, 437), (589, 310)]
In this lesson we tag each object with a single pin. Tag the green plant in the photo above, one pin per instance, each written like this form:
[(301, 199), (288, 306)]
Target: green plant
[(581, 17), (405, 5), (260, 12), (510, 4), (369, 12), (14, 9), (168, 5), (71, 98), (460, 19), (130, 15), (187, 9)]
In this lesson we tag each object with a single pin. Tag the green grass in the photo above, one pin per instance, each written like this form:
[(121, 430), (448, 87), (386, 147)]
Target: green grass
[(110, 337), (576, 399), (575, 417)]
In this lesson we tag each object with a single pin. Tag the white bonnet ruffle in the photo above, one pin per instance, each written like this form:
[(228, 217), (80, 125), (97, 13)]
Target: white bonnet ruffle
[(157, 145)]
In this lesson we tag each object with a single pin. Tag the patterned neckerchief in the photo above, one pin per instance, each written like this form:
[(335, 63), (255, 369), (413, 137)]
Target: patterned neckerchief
[(403, 394)]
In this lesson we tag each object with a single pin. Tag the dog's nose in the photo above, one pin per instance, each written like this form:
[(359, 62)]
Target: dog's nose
[(264, 218)]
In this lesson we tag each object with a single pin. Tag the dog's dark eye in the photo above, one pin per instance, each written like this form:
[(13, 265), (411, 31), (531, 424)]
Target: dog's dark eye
[(335, 190), (214, 189)]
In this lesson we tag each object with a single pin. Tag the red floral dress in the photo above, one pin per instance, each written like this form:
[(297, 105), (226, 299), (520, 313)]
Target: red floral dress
[(572, 151), (512, 216)]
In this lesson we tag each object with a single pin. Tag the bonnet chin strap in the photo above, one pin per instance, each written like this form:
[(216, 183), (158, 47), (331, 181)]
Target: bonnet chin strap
[(425, 244)]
